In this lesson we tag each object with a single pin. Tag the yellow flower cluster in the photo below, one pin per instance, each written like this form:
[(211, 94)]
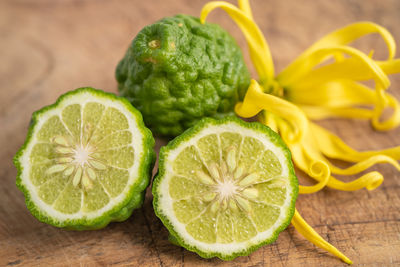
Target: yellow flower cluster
[(323, 82)]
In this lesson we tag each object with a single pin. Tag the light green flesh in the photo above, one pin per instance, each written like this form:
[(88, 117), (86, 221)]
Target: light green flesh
[(226, 225), (106, 131)]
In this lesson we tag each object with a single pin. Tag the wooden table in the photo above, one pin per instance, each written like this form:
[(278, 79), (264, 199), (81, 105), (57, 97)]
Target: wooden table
[(48, 47)]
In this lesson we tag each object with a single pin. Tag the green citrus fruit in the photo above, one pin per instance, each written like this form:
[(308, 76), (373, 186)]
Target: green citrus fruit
[(177, 71), (225, 188), (86, 161)]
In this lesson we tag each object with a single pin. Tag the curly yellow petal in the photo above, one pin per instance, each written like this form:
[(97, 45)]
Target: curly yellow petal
[(365, 164), (348, 68), (269, 119), (332, 93), (258, 46), (244, 5), (332, 146), (319, 113), (307, 153), (319, 55), (390, 66), (307, 158), (256, 101), (342, 36), (385, 101), (311, 235), (321, 172), (369, 181)]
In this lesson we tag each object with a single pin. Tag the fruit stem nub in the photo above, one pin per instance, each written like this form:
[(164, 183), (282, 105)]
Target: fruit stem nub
[(154, 44)]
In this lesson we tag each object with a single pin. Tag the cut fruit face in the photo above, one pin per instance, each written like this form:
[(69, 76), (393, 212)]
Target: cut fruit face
[(225, 188), (86, 161)]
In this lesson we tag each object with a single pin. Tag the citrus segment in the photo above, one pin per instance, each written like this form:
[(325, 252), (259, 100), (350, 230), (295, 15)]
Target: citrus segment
[(243, 226), (95, 198), (115, 140), (229, 139), (251, 149), (52, 127), (202, 226), (71, 117), (52, 188), (224, 227), (122, 157), (205, 145), (187, 209), (187, 161), (261, 212), (182, 187), (225, 187), (92, 113), (69, 200), (38, 172), (267, 165), (114, 180)]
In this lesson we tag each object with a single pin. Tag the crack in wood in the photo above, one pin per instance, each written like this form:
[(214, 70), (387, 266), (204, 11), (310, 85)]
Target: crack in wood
[(182, 257), (11, 263), (147, 222), (355, 223)]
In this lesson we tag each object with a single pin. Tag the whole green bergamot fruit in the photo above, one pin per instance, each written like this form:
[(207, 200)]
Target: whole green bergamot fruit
[(177, 71)]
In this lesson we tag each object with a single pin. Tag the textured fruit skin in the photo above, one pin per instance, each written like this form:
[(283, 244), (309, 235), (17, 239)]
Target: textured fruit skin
[(137, 192), (173, 237), (191, 71)]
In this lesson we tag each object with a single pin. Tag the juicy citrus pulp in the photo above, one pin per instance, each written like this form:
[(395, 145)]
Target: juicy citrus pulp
[(225, 188), (86, 160)]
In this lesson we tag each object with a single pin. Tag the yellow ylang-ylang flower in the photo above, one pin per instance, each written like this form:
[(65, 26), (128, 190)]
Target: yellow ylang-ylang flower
[(323, 82)]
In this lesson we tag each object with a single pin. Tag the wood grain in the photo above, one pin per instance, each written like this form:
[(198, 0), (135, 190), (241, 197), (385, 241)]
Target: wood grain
[(48, 47)]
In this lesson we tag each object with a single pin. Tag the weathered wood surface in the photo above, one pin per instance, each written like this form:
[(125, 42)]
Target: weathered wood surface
[(48, 47)]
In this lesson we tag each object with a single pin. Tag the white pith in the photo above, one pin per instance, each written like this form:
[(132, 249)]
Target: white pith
[(81, 154), (226, 189), (166, 202)]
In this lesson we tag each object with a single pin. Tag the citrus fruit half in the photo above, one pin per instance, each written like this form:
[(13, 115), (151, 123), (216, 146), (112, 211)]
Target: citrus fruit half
[(225, 187), (86, 160)]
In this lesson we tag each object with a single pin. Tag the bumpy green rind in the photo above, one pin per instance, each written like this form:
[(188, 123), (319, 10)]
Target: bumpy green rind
[(197, 71), (134, 197), (186, 136)]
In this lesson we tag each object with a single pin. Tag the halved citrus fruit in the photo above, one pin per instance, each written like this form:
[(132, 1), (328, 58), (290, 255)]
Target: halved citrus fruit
[(86, 161), (225, 188)]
